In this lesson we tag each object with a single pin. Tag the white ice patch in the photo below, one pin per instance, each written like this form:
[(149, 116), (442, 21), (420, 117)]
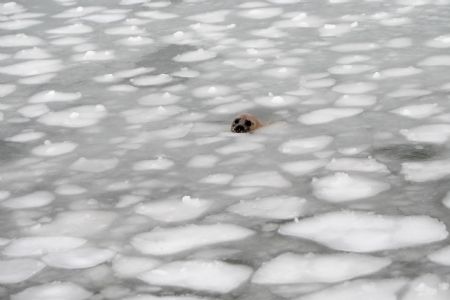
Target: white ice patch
[(203, 275), (408, 92), (79, 223), (159, 99), (302, 167), (355, 87), (218, 178), (276, 101), (217, 16), (154, 164), (441, 256), (203, 161), (32, 53), (432, 133), (426, 171), (53, 291), (94, 165), (19, 40), (211, 91), (398, 72), (342, 187), (239, 147), (132, 266), (350, 69), (418, 111), (152, 80), (18, 270), (305, 145), (33, 67), (25, 137), (357, 164), (77, 28), (360, 289), (290, 268), (355, 47), (436, 61), (442, 41), (167, 241), (366, 232), (326, 115), (262, 179), (152, 114), (427, 287), (170, 211), (356, 100), (6, 89), (18, 24), (280, 207), (261, 13), (76, 117), (54, 96), (32, 246), (32, 200), (195, 56), (54, 149), (92, 55), (79, 258)]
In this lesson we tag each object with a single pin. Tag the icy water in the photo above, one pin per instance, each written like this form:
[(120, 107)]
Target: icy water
[(120, 179)]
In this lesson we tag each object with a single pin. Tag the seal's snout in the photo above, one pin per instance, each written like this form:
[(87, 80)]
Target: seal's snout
[(245, 123)]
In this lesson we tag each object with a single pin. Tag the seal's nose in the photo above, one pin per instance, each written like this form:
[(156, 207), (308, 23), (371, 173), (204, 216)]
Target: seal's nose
[(239, 129)]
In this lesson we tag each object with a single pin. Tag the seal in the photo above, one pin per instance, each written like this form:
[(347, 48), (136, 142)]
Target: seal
[(245, 123)]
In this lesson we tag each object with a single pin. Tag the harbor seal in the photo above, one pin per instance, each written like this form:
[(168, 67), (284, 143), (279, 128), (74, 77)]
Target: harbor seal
[(245, 123)]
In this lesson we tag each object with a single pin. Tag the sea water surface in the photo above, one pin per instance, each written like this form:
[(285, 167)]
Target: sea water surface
[(120, 178)]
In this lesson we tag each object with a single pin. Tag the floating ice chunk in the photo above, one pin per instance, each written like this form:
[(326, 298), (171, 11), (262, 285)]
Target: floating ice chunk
[(442, 41), (305, 145), (219, 178), (281, 207), (356, 100), (54, 149), (204, 275), (195, 56), (210, 91), (32, 53), (156, 15), (432, 133), (355, 47), (79, 258), (342, 187), (53, 96), (436, 61), (152, 114), (18, 24), (33, 67), (68, 41), (79, 223), (441, 256), (351, 59), (360, 289), (11, 8), (169, 211), (216, 16), (92, 55), (398, 43), (77, 28), (53, 291), (76, 117), (155, 164), (327, 115), (261, 13), (418, 111), (32, 200), (239, 147), (350, 69), (168, 241), (426, 171), (333, 30), (284, 1), (280, 73), (132, 266), (203, 161), (136, 41), (6, 89), (276, 101), (32, 246), (69, 190), (77, 12), (289, 268), (94, 165), (427, 287), (395, 21), (233, 108), (153, 80), (398, 72), (299, 20), (357, 164), (366, 232), (262, 179), (104, 18), (18, 270), (19, 40), (152, 297), (186, 73), (407, 92), (25, 137), (302, 167), (355, 87)]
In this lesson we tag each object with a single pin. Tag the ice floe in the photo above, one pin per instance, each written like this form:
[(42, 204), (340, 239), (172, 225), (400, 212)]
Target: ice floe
[(430, 133), (32, 246), (327, 115), (18, 270), (262, 179), (54, 149), (79, 258), (53, 291), (367, 232), (166, 241), (305, 145), (281, 207), (77, 117), (32, 200), (290, 268), (426, 171)]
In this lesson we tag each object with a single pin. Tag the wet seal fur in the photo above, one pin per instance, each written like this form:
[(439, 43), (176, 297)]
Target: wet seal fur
[(245, 123)]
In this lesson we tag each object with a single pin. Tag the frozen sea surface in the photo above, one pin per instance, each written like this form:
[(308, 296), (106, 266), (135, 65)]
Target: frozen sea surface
[(119, 178)]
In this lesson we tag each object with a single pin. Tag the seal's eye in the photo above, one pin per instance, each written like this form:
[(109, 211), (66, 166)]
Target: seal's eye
[(248, 123), (236, 121)]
